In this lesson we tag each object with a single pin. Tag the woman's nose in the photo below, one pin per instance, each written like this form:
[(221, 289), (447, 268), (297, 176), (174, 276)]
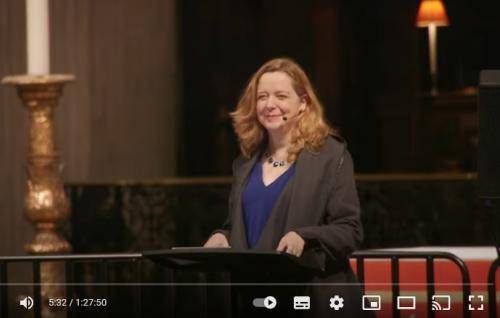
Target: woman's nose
[(271, 103)]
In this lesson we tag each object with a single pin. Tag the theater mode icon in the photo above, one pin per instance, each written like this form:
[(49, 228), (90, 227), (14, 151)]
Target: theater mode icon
[(371, 302), (407, 302)]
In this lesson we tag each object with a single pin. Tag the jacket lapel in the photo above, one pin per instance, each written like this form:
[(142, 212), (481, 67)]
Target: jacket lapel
[(239, 239), (303, 183)]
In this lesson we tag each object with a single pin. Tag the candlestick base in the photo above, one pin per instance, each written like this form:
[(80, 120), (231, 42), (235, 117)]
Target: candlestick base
[(45, 203)]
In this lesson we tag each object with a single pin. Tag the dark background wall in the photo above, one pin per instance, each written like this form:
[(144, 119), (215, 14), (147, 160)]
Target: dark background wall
[(369, 63), (13, 130)]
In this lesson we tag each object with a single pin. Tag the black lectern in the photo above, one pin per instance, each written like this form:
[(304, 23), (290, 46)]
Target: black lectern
[(254, 276)]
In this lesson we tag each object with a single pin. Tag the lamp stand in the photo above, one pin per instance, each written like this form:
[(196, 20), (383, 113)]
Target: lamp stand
[(432, 28)]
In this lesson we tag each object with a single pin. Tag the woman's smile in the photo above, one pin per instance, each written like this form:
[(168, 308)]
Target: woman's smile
[(271, 117)]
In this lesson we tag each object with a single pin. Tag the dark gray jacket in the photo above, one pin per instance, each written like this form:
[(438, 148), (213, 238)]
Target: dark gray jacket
[(321, 204)]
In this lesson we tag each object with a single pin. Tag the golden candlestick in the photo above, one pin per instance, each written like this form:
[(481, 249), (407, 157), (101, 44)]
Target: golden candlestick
[(46, 203)]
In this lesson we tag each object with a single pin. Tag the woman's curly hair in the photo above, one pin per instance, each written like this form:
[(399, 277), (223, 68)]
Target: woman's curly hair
[(311, 130)]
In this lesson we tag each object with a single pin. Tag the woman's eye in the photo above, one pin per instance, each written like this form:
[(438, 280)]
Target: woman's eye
[(261, 97), (281, 97)]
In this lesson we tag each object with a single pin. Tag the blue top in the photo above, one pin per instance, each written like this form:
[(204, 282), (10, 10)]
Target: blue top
[(258, 201)]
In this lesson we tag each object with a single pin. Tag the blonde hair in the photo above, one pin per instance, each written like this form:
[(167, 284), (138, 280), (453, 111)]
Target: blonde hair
[(311, 130)]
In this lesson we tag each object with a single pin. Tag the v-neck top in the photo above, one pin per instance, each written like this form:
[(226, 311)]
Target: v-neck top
[(258, 201)]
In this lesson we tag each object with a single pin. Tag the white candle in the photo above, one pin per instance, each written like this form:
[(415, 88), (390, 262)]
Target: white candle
[(37, 27)]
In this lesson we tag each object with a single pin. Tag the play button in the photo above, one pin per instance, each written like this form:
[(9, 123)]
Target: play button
[(270, 302)]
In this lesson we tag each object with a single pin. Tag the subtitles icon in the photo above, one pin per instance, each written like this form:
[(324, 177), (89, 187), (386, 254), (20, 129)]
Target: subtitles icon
[(371, 302), (441, 302), (407, 302), (473, 304), (301, 302), (26, 302)]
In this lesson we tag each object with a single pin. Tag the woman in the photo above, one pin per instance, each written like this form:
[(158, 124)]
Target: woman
[(293, 186)]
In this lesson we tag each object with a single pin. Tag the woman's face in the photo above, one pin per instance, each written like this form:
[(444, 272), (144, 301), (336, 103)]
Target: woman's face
[(276, 99)]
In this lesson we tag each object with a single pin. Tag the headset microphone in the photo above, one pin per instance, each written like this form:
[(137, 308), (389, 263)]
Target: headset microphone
[(285, 118)]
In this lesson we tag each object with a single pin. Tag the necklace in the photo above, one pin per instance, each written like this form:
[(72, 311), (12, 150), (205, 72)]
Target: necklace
[(273, 162)]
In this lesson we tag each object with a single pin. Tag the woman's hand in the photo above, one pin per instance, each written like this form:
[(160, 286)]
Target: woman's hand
[(217, 240), (291, 243)]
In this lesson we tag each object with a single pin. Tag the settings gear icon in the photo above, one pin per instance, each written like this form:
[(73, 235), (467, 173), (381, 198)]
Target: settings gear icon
[(336, 302)]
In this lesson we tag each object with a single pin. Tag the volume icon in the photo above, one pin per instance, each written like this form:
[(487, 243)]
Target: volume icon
[(26, 302)]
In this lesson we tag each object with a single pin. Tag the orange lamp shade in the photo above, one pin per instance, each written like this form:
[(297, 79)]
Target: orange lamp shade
[(432, 12)]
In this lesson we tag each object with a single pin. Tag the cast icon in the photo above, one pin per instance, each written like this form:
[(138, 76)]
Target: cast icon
[(441, 302)]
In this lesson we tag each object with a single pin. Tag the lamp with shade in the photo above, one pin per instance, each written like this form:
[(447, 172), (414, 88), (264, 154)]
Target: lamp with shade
[(432, 14)]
